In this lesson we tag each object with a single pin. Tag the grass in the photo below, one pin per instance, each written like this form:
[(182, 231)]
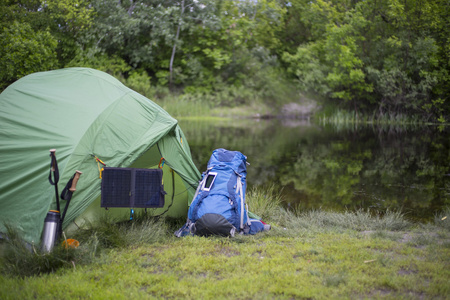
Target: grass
[(314, 254), (191, 106), (185, 106), (264, 201), (253, 110), (345, 118)]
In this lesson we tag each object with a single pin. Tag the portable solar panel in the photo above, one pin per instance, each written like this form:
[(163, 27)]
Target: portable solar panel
[(129, 187)]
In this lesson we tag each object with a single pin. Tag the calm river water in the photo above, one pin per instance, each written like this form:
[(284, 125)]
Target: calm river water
[(332, 168)]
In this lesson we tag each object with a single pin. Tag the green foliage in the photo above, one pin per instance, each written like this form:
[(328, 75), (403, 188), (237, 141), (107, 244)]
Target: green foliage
[(23, 11), (295, 33), (383, 56), (70, 20), (212, 46), (98, 60), (139, 81), (345, 77), (407, 89), (236, 52), (145, 34), (234, 88), (39, 36), (24, 51), (387, 57), (72, 16), (306, 66)]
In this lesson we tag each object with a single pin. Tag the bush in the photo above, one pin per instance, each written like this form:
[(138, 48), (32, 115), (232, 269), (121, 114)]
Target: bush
[(264, 201)]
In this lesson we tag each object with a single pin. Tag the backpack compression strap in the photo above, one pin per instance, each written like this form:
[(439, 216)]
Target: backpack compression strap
[(243, 205)]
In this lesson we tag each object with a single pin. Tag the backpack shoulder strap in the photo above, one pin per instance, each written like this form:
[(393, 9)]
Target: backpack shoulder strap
[(200, 184)]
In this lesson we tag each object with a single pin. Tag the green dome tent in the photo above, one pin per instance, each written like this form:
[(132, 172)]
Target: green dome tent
[(83, 114)]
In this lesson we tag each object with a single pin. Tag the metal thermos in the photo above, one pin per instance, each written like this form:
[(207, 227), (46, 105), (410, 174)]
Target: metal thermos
[(50, 233)]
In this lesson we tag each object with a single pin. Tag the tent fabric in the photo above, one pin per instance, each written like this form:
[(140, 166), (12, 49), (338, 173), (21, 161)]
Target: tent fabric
[(81, 113)]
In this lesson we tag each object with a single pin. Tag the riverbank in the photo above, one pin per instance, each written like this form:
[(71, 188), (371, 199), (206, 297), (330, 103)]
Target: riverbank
[(300, 108), (203, 106), (315, 254)]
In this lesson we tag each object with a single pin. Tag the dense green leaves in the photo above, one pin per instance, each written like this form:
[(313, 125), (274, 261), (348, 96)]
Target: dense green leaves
[(25, 51), (388, 56), (39, 35)]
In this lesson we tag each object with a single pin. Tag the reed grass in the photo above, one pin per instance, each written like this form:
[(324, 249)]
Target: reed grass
[(264, 201), (188, 106), (185, 106), (344, 117)]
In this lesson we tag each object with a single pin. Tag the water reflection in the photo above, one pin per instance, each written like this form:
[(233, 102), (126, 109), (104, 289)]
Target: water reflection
[(336, 168)]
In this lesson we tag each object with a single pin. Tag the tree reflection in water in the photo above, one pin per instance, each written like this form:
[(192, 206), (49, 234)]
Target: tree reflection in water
[(332, 168)]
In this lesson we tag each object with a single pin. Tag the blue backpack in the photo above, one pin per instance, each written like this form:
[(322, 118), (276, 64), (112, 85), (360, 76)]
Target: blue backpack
[(218, 206)]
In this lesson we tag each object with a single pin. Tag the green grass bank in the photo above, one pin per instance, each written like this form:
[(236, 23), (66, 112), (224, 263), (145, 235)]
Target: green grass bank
[(313, 255)]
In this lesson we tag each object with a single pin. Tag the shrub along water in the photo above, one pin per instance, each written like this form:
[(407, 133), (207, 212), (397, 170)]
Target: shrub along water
[(340, 117)]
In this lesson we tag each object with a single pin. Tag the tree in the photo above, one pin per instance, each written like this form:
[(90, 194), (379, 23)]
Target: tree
[(387, 56), (24, 51), (26, 45), (172, 57), (39, 36), (69, 20), (346, 77), (147, 34)]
